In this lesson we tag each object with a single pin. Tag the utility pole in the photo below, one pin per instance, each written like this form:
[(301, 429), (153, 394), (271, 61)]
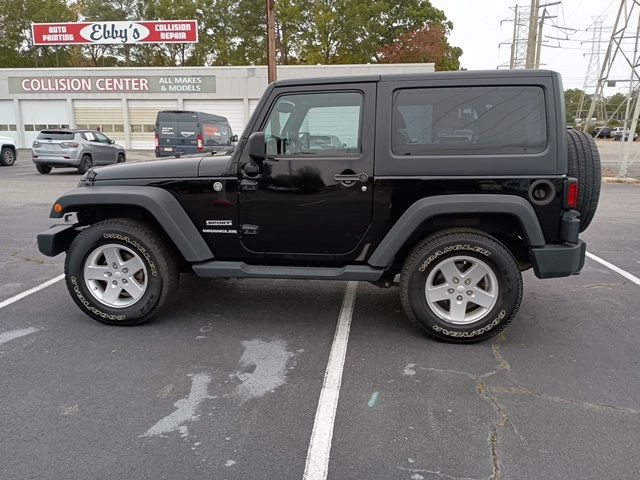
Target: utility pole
[(512, 59), (539, 40), (531, 40), (271, 42)]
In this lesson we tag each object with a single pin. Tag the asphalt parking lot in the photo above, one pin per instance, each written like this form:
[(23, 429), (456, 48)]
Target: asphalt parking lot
[(227, 383)]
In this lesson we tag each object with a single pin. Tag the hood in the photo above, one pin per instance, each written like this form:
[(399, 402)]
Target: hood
[(214, 166), (173, 168), (7, 139)]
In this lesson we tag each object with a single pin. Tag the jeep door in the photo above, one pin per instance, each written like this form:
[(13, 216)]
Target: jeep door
[(311, 198)]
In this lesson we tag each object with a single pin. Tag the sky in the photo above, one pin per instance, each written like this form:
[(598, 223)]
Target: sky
[(478, 31)]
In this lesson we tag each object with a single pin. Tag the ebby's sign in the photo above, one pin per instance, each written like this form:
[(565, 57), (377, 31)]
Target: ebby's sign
[(115, 33), (111, 84)]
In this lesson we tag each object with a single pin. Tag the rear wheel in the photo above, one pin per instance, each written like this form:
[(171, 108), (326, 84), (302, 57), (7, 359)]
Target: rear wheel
[(85, 164), (584, 164), (120, 272), (43, 169), (461, 286), (7, 157)]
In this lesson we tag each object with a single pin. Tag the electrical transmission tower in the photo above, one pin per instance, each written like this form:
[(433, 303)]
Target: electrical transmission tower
[(591, 77), (518, 57), (627, 18)]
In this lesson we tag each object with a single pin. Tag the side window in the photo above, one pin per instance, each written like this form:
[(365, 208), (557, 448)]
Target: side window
[(101, 138), (469, 121), (322, 124)]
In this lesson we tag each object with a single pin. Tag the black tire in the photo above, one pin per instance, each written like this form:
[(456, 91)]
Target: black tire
[(7, 157), (43, 169), (430, 253), (86, 162), (584, 164), (120, 158), (162, 268)]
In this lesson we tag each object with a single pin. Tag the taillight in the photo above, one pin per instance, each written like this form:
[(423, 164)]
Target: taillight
[(70, 144), (200, 143), (36, 144), (571, 194), (157, 141)]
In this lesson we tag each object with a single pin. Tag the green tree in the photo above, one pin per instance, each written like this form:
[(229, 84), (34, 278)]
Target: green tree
[(572, 102)]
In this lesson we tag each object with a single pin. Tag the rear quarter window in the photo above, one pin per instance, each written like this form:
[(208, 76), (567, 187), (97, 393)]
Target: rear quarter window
[(482, 120)]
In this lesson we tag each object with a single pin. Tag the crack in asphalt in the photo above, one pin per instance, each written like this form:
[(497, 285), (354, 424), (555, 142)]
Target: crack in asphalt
[(503, 421), (434, 472)]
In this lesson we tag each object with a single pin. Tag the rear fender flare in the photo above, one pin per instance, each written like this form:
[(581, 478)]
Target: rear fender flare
[(162, 205), (426, 208)]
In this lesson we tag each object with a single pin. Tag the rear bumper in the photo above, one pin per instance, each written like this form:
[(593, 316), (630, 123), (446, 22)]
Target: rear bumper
[(71, 160), (553, 261), (57, 239)]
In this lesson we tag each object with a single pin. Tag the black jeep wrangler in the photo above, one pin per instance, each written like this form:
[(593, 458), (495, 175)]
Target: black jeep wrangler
[(456, 182)]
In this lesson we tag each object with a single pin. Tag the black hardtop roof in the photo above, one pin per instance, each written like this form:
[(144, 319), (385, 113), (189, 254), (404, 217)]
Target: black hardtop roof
[(475, 74)]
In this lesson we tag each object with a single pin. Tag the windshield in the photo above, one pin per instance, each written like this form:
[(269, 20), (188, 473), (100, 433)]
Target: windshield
[(55, 135)]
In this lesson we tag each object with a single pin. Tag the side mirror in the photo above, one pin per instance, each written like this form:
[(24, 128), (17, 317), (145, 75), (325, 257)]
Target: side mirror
[(234, 138), (111, 142), (256, 147)]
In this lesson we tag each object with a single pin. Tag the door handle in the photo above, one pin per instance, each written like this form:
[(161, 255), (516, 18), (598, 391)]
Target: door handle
[(354, 177)]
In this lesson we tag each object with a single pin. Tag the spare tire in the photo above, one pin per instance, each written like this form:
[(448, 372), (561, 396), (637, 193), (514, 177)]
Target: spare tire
[(584, 164)]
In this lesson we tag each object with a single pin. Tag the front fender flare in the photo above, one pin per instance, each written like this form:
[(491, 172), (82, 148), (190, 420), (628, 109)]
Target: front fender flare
[(426, 208), (162, 205)]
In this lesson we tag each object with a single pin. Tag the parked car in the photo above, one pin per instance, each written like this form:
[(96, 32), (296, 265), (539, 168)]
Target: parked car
[(180, 132), (8, 151), (601, 132), (81, 149), (619, 133), (406, 194)]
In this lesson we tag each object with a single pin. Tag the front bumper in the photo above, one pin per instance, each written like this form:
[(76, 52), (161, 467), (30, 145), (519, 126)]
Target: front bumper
[(58, 238), (553, 261)]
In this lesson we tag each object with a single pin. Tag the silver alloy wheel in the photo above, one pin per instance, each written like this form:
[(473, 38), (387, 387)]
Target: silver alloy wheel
[(115, 275), (8, 157), (461, 290)]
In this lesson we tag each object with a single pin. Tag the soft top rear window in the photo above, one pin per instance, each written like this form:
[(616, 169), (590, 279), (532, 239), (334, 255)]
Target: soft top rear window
[(55, 135)]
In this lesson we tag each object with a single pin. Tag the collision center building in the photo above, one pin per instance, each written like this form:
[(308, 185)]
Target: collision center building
[(123, 102)]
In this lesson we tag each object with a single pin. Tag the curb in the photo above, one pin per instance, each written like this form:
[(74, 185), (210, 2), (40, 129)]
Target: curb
[(625, 180)]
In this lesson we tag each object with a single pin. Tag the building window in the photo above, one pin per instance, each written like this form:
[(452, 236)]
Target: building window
[(118, 128), (4, 127), (64, 126), (149, 128), (29, 128), (106, 128), (41, 127), (136, 128), (12, 127)]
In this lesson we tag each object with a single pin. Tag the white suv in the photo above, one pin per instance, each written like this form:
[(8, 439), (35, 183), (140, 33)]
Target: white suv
[(8, 151)]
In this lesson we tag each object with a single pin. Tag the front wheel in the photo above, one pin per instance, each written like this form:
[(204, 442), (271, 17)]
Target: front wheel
[(7, 157), (120, 272), (461, 286)]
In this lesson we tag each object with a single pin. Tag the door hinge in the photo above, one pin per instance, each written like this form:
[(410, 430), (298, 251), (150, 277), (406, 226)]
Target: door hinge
[(249, 229)]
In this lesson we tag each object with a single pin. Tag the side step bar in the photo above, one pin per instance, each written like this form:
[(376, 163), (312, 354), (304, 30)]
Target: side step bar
[(219, 269)]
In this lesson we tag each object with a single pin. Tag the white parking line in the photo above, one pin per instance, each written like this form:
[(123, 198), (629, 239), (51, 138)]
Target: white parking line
[(13, 334), (317, 464), (26, 293), (611, 266)]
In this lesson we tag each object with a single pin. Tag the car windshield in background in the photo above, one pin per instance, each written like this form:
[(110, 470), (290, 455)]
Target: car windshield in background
[(55, 135)]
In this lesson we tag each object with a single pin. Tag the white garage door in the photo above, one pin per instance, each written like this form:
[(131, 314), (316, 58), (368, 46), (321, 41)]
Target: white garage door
[(42, 114), (232, 109), (142, 117), (8, 119), (105, 115)]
